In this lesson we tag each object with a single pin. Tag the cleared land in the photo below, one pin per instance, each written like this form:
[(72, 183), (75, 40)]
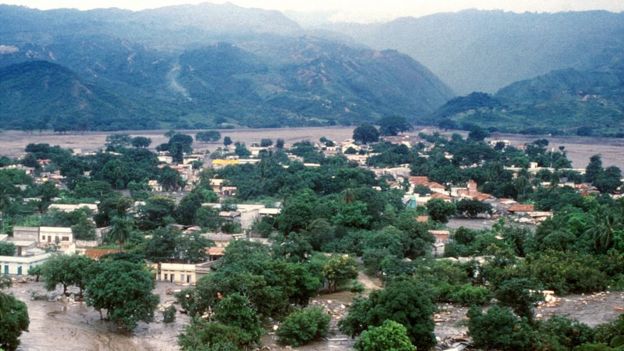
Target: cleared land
[(580, 149)]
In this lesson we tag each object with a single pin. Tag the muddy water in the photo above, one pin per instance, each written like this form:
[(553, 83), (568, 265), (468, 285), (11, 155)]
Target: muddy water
[(72, 326)]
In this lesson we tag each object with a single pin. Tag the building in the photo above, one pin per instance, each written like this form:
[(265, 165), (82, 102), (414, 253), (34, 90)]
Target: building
[(20, 265), (55, 235), (181, 273), (441, 239), (73, 207), (245, 214)]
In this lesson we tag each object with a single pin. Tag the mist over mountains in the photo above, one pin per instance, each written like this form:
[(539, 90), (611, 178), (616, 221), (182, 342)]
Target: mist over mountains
[(207, 66)]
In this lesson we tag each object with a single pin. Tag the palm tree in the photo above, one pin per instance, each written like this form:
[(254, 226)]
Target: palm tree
[(120, 230), (602, 229)]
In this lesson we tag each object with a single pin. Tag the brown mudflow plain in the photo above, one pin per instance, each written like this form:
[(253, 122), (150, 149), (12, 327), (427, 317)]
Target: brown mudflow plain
[(579, 149)]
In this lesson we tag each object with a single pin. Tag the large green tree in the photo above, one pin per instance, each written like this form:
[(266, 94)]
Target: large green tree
[(124, 290), (404, 301)]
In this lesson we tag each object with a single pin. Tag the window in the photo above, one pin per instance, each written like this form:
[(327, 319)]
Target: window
[(166, 276), (19, 270), (65, 238), (188, 278), (182, 277), (6, 269)]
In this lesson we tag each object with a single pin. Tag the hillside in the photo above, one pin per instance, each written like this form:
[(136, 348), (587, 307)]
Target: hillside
[(222, 65), (488, 50), (589, 102), (36, 94)]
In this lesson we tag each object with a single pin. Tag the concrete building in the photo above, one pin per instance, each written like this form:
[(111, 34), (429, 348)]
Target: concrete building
[(181, 273), (19, 265), (73, 207)]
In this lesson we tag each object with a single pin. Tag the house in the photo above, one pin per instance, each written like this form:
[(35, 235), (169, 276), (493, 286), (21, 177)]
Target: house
[(55, 235), (96, 254), (245, 214), (181, 273), (73, 207), (470, 192), (441, 239), (20, 265), (155, 185), (43, 236), (421, 181), (521, 209)]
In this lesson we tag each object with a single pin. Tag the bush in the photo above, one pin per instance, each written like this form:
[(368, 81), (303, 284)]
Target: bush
[(560, 333), (469, 295), (565, 273), (389, 336), (500, 329), (303, 326), (169, 314)]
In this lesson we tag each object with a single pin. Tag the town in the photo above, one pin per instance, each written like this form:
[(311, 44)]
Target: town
[(253, 241)]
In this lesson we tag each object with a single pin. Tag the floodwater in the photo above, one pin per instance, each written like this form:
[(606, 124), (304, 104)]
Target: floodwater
[(72, 326)]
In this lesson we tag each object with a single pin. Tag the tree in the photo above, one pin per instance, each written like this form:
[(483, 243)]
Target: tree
[(304, 326), (118, 140), (7, 249), (390, 336), (161, 246), (156, 212), (516, 293), (609, 180), (124, 290), (266, 142), (279, 143), (365, 134), (13, 318), (211, 336), (170, 179), (241, 150), (235, 310), (178, 145), (472, 208), (227, 141), (593, 169), (440, 210), (67, 270), (393, 125), (500, 329), (477, 133), (404, 301), (186, 212), (339, 269), (208, 136), (141, 142), (120, 231)]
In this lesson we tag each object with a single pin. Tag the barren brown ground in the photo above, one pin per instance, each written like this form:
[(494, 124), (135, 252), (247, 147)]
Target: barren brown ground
[(580, 149)]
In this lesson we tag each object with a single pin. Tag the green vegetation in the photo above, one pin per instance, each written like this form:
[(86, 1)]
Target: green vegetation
[(338, 222), (388, 336), (13, 318), (303, 326)]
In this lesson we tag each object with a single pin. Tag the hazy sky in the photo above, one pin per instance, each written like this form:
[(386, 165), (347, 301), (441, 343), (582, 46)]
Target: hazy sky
[(352, 10)]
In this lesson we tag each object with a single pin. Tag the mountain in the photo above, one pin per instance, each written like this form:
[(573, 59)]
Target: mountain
[(202, 66), (33, 94), (486, 50), (568, 101)]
